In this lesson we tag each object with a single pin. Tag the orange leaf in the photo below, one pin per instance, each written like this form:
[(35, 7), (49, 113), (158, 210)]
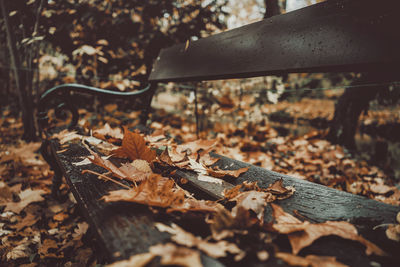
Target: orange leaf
[(303, 234), (134, 147), (229, 173)]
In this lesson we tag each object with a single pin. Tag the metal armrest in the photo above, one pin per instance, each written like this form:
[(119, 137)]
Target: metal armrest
[(62, 95)]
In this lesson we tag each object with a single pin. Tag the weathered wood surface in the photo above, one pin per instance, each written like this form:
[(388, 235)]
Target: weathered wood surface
[(337, 35), (127, 229), (123, 229)]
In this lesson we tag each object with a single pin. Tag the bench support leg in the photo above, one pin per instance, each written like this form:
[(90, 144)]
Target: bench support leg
[(147, 103), (45, 150)]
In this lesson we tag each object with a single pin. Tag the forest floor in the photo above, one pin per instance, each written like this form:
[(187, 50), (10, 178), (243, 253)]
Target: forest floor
[(287, 137)]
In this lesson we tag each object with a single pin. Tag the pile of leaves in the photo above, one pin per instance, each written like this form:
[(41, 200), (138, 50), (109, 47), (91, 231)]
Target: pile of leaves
[(38, 230), (35, 228), (229, 224)]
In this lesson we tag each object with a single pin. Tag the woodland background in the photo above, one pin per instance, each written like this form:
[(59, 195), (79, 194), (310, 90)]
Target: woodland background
[(111, 44)]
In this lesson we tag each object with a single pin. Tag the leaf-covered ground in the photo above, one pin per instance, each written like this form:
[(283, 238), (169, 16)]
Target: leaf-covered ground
[(37, 230)]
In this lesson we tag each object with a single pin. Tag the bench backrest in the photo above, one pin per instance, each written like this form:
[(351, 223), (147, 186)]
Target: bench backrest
[(336, 35)]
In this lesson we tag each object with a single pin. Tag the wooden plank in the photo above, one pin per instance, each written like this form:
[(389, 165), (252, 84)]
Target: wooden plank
[(126, 229), (123, 229), (340, 35), (318, 203)]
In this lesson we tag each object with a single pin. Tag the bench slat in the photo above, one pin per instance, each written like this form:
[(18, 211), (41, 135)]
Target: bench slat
[(123, 229), (344, 35)]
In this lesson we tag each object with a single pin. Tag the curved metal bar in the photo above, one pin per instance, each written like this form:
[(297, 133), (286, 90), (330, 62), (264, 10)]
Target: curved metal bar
[(63, 93), (74, 87)]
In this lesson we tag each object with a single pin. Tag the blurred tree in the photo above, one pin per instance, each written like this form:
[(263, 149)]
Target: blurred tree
[(108, 43), (114, 37), (356, 100), (20, 20), (271, 8)]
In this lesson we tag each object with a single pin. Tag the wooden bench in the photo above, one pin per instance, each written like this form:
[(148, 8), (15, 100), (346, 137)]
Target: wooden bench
[(344, 35)]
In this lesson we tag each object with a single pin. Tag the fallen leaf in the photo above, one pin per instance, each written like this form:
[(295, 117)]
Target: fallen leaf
[(29, 220), (22, 250), (106, 130), (381, 188), (223, 224), (303, 234), (173, 255), (46, 245), (195, 146), (253, 200), (309, 260), (66, 136), (24, 154), (138, 260), (208, 160), (62, 216), (134, 147), (393, 232), (158, 191), (80, 230), (27, 197), (226, 173), (202, 172), (126, 171), (182, 237), (155, 191)]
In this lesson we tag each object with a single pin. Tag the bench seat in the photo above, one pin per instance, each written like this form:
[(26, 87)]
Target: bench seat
[(126, 229)]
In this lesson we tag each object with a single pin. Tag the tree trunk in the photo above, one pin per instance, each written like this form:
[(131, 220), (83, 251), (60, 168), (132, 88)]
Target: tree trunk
[(271, 8), (25, 103), (350, 105)]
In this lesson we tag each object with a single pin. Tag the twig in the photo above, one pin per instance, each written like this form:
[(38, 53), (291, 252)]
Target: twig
[(106, 177)]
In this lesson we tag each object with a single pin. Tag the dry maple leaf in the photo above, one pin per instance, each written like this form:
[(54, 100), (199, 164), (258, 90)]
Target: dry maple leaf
[(280, 191), (226, 173), (27, 197), (277, 190), (134, 147), (252, 200), (25, 154), (223, 224), (195, 146), (161, 192), (134, 171), (155, 191), (303, 234), (182, 237), (309, 260), (106, 130)]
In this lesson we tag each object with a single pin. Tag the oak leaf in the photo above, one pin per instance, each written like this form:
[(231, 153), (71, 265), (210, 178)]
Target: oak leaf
[(303, 234), (134, 147)]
